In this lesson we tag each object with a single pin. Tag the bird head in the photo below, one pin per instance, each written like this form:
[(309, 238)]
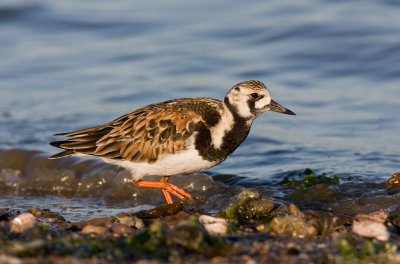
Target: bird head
[(249, 99)]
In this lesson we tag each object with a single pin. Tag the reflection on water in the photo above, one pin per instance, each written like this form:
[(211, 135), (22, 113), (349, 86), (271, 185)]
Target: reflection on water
[(67, 65)]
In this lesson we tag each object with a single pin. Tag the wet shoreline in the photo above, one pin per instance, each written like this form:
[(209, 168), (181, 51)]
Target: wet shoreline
[(68, 210), (258, 231)]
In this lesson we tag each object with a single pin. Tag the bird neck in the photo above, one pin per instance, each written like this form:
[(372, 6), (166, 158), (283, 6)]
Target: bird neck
[(240, 128), (218, 142)]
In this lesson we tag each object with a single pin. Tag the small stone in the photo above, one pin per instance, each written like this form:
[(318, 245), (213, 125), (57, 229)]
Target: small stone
[(20, 222), (393, 182), (129, 220), (99, 221), (121, 229), (98, 230), (248, 194), (9, 259), (36, 231), (292, 225), (64, 208), (293, 209), (324, 222), (370, 226), (187, 235), (36, 246), (261, 228), (379, 214), (214, 225), (256, 209)]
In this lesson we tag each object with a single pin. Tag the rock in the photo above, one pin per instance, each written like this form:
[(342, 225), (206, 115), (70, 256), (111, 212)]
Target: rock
[(7, 259), (98, 230), (393, 182), (379, 214), (293, 209), (129, 220), (20, 222), (99, 221), (370, 226), (259, 208), (35, 231), (214, 225), (19, 248), (324, 222), (161, 211), (293, 226), (248, 194), (187, 235), (248, 208), (121, 229)]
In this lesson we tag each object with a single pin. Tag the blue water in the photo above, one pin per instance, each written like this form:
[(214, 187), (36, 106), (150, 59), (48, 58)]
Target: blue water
[(71, 64)]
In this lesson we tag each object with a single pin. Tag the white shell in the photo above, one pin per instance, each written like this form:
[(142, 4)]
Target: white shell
[(370, 226), (214, 225), (20, 222)]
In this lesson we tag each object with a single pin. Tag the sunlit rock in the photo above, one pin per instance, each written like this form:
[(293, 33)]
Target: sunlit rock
[(379, 214), (248, 208), (247, 195), (393, 182), (92, 229), (129, 220), (293, 226), (20, 222), (121, 229), (370, 226), (214, 225)]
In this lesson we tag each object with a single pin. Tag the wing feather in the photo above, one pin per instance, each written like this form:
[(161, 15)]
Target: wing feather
[(142, 135)]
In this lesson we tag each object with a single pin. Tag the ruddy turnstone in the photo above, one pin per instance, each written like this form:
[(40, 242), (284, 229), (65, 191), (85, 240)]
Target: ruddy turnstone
[(174, 137)]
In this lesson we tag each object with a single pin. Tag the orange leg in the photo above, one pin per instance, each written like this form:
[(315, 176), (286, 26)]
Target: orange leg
[(166, 187)]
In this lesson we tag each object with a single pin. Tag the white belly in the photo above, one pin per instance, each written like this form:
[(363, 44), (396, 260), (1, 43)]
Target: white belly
[(182, 162)]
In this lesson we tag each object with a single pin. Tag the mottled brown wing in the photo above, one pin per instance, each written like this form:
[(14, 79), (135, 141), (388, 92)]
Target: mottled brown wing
[(145, 137), (144, 134)]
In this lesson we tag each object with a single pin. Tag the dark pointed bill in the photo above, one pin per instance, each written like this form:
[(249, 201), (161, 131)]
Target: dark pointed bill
[(274, 106)]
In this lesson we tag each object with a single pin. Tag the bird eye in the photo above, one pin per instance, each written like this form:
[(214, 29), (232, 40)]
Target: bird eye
[(254, 95)]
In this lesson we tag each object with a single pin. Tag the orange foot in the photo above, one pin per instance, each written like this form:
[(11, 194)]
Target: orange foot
[(166, 188)]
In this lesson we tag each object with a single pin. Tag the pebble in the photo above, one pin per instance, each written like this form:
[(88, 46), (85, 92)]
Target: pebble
[(379, 214), (370, 226), (248, 194), (121, 229), (293, 209), (214, 225), (9, 259), (22, 221), (393, 182), (98, 230), (292, 225), (129, 220), (188, 235)]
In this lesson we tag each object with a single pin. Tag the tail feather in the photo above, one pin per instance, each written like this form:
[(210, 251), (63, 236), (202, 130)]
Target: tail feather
[(83, 132), (83, 141), (64, 153)]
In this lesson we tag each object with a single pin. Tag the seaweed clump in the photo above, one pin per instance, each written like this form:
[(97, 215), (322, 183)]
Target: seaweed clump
[(312, 187)]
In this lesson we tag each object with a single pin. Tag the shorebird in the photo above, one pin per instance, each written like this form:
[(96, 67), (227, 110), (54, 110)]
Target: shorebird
[(174, 137)]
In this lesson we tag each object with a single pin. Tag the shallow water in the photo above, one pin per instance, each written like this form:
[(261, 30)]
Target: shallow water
[(67, 65)]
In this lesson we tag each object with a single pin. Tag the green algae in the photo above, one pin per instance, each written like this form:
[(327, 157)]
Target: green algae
[(311, 187), (310, 179), (363, 250)]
